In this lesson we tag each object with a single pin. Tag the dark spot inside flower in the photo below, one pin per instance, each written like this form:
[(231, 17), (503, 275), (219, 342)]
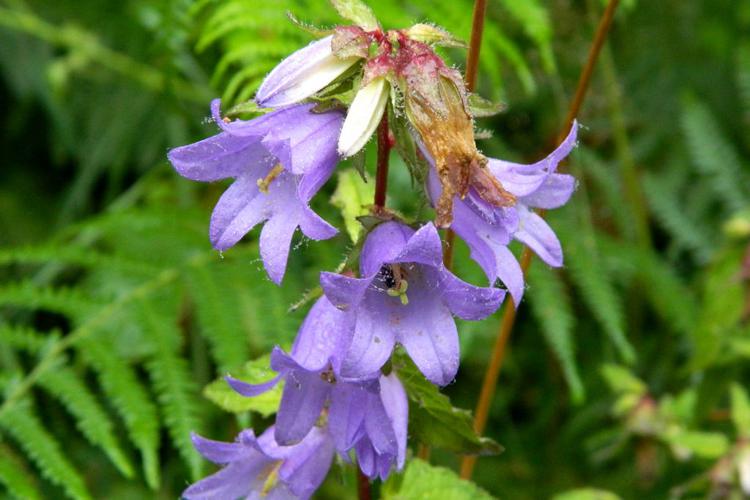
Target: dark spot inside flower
[(328, 375), (376, 339)]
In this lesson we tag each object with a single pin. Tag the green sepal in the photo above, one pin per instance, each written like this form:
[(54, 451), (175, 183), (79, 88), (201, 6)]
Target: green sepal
[(434, 420), (356, 12), (479, 107), (256, 371), (312, 29), (434, 35)]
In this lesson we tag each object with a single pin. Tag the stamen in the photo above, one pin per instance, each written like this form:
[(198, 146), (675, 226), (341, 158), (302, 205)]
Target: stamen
[(271, 479), (265, 182), (397, 284)]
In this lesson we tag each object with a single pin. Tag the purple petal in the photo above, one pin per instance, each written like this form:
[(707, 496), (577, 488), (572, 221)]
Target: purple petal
[(373, 339), (379, 427), (346, 415), (553, 193), (301, 146), (239, 209), (220, 452), (322, 336), (468, 301), (314, 227), (305, 469), (384, 244), (423, 247), (510, 273), (366, 458), (219, 157), (344, 292), (251, 390), (233, 481), (537, 235), (396, 405), (302, 401), (300, 75), (262, 125), (275, 240), (428, 333), (523, 180)]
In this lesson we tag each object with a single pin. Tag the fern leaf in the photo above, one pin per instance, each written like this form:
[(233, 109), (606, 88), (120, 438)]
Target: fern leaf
[(24, 338), (68, 301), (91, 419), (20, 422), (218, 314), (16, 477), (592, 278), (130, 399), (70, 254), (175, 388), (667, 207), (551, 308), (713, 154)]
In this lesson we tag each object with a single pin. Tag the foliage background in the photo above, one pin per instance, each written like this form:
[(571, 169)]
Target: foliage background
[(115, 312)]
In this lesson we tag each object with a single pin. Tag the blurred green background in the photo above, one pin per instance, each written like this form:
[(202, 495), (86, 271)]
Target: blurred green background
[(627, 368)]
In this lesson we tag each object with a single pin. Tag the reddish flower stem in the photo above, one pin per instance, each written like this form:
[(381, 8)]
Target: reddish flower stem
[(381, 176), (509, 313), (363, 486), (472, 69)]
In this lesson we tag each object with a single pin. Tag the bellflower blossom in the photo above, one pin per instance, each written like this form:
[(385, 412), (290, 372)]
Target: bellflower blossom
[(406, 295), (260, 468), (371, 414), (488, 229), (279, 161)]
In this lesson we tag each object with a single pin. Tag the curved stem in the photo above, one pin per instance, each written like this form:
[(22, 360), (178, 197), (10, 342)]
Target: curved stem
[(509, 313)]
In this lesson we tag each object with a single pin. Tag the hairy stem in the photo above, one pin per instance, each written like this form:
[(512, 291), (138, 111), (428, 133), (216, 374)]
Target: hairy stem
[(509, 313), (381, 176), (363, 486)]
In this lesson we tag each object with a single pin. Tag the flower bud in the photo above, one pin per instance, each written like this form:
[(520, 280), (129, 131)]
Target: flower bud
[(302, 74), (364, 116)]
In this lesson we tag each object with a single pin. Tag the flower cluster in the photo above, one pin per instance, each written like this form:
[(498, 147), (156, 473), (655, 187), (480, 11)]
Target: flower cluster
[(340, 394)]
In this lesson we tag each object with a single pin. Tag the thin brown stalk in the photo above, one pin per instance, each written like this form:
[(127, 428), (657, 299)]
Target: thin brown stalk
[(509, 313), (363, 486)]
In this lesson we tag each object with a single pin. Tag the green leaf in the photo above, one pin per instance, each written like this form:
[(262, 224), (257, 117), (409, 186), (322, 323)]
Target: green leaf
[(586, 494), (432, 418), (352, 197), (256, 371), (428, 482), (551, 307), (357, 12), (702, 444), (621, 380), (740, 410)]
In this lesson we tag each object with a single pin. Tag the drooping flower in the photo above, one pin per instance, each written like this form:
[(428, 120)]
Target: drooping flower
[(260, 468), (406, 295), (302, 74), (279, 161), (488, 229)]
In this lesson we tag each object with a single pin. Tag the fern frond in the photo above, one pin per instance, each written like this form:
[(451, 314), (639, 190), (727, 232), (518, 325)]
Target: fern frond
[(175, 388), (668, 209), (71, 254), (593, 280), (713, 154), (551, 308), (25, 338), (21, 423), (218, 314), (130, 399), (672, 299), (68, 301), (16, 477), (91, 419)]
